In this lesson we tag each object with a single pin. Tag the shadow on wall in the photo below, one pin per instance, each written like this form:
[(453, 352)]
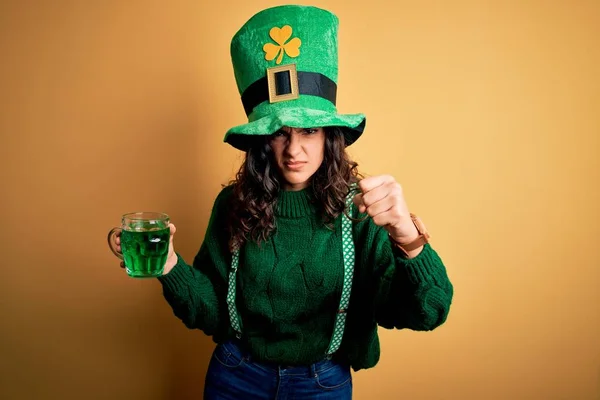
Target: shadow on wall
[(163, 345), (185, 352), (165, 359)]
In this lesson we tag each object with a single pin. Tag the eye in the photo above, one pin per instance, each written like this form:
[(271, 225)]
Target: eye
[(310, 131), (278, 134)]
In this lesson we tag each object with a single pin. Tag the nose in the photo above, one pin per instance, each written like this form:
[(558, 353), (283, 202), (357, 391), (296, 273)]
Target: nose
[(293, 147)]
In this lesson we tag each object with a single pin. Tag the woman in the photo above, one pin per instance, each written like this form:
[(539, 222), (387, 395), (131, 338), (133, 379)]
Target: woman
[(302, 259)]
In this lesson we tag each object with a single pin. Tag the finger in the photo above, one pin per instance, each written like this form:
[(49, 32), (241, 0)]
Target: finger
[(370, 183), (382, 206), (117, 240), (376, 194), (118, 248), (358, 202), (173, 229), (384, 219)]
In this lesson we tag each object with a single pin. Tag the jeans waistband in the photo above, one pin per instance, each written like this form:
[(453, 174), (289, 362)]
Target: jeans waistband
[(236, 347)]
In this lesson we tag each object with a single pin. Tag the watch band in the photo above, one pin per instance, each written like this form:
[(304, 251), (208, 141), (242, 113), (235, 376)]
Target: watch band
[(421, 240)]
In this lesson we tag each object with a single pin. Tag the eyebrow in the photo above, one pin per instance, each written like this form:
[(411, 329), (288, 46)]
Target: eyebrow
[(287, 133)]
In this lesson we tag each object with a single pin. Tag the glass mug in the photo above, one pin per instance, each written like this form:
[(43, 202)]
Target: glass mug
[(144, 243)]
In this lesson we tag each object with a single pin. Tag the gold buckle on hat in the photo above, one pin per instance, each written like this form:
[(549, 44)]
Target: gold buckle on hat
[(293, 75)]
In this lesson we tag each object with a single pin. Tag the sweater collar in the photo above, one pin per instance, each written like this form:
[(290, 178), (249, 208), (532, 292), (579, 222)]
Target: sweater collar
[(294, 204)]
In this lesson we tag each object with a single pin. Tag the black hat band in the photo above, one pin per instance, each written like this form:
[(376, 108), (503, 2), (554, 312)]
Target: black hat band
[(284, 85)]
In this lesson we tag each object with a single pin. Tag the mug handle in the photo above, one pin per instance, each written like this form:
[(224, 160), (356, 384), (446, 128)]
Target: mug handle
[(111, 242)]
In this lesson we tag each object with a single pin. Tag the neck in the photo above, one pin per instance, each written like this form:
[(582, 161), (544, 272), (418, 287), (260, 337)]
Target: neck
[(294, 187)]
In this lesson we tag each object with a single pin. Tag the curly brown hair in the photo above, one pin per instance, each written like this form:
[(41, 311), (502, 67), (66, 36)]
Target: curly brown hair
[(257, 183)]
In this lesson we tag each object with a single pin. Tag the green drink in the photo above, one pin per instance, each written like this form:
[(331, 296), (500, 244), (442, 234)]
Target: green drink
[(144, 243)]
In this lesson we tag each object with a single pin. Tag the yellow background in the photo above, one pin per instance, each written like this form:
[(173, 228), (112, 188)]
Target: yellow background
[(487, 112)]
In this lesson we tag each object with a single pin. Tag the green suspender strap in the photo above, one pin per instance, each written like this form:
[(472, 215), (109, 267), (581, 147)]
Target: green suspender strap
[(348, 252), (233, 315), (340, 319)]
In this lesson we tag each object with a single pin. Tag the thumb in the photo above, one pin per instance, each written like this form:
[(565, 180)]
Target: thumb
[(358, 202), (172, 230), (171, 256)]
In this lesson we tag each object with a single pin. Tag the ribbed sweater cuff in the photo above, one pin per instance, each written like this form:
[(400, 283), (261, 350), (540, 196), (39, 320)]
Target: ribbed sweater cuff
[(178, 278), (424, 268)]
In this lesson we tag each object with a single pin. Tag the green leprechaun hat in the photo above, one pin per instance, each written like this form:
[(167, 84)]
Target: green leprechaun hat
[(285, 61)]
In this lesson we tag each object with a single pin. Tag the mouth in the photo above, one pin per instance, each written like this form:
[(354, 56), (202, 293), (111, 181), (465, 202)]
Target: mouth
[(294, 165)]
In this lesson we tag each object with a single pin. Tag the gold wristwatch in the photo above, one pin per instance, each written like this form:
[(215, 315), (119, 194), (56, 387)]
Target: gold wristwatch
[(419, 241)]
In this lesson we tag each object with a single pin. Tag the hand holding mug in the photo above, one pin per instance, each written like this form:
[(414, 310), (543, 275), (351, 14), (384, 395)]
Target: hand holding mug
[(144, 243)]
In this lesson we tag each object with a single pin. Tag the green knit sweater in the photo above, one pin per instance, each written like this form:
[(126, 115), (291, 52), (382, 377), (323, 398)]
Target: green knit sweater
[(289, 288)]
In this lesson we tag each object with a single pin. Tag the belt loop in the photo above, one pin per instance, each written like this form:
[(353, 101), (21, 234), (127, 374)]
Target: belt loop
[(313, 370)]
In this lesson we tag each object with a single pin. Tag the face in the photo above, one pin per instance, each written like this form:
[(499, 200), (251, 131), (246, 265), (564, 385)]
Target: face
[(298, 153)]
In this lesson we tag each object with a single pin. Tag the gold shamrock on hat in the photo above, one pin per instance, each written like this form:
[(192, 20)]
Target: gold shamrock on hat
[(280, 36)]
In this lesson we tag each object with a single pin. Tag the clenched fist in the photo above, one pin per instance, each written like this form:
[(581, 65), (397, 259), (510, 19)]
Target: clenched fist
[(382, 199)]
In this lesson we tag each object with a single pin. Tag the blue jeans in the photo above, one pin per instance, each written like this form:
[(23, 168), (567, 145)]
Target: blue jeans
[(233, 375)]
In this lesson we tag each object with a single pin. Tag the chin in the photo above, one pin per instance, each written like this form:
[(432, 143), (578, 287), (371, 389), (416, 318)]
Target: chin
[(297, 180)]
